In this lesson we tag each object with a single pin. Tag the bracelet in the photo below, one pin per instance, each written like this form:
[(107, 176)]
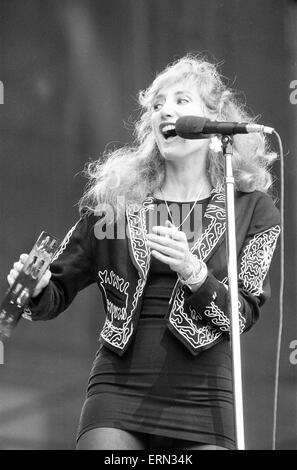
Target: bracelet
[(198, 275)]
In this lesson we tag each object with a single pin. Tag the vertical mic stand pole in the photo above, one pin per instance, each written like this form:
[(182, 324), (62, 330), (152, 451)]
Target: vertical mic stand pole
[(233, 292)]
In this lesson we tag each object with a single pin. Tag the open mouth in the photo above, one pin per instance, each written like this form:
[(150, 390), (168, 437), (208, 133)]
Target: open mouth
[(168, 130)]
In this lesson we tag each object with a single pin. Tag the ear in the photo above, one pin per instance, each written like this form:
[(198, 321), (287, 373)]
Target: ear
[(208, 113)]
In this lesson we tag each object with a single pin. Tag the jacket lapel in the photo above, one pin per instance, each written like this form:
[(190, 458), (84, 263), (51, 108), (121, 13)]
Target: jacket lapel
[(136, 223), (214, 225)]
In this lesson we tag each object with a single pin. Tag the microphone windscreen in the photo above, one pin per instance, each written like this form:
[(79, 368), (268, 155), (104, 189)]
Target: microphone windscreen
[(191, 127)]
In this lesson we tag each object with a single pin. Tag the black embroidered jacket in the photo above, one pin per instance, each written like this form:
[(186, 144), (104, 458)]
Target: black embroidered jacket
[(120, 265)]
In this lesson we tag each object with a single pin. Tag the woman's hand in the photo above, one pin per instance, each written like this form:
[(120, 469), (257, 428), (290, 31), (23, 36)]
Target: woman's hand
[(170, 245), (17, 268)]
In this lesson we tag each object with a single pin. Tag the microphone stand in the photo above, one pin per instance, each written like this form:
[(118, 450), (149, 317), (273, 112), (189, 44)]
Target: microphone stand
[(233, 291)]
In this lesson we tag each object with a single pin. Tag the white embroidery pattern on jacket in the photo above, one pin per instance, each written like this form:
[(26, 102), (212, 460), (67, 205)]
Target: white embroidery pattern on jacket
[(220, 319), (119, 336), (110, 278), (64, 242), (256, 260), (215, 229), (202, 335), (194, 314), (196, 335), (137, 229), (242, 319), (217, 316)]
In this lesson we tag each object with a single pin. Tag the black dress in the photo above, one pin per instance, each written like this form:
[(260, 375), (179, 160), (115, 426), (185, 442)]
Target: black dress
[(158, 387)]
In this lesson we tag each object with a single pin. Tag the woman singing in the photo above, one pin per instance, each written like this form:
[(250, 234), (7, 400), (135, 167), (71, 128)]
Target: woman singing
[(152, 235)]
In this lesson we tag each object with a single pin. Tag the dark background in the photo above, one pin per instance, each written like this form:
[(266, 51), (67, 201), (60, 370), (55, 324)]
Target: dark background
[(71, 72)]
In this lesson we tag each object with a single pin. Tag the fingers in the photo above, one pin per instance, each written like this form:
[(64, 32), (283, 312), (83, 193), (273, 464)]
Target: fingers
[(170, 230), (170, 224), (42, 283), (17, 268), (170, 246), (166, 250), (13, 274), (168, 236), (165, 259), (169, 241), (24, 257), (165, 241), (10, 278)]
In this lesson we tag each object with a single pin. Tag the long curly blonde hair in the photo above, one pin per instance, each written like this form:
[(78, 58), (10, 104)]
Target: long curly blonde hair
[(134, 171)]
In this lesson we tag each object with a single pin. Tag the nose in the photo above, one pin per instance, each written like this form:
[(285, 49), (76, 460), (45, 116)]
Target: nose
[(167, 109)]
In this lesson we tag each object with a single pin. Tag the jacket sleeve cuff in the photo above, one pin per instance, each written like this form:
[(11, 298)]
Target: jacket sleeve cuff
[(211, 302), (38, 306)]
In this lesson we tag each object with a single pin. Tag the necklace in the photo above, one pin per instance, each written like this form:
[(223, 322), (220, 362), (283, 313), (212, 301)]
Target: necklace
[(188, 214)]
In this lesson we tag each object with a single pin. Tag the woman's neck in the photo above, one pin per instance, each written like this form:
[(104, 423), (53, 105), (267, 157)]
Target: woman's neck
[(184, 182)]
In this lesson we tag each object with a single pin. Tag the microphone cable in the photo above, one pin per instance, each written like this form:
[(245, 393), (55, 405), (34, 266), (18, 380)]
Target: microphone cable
[(281, 291)]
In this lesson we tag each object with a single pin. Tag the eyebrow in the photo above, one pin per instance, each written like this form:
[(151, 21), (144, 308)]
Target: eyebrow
[(181, 92)]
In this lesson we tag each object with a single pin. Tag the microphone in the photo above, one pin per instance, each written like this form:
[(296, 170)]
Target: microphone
[(196, 127)]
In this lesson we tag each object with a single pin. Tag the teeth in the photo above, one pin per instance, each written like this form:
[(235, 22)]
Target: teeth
[(168, 127)]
